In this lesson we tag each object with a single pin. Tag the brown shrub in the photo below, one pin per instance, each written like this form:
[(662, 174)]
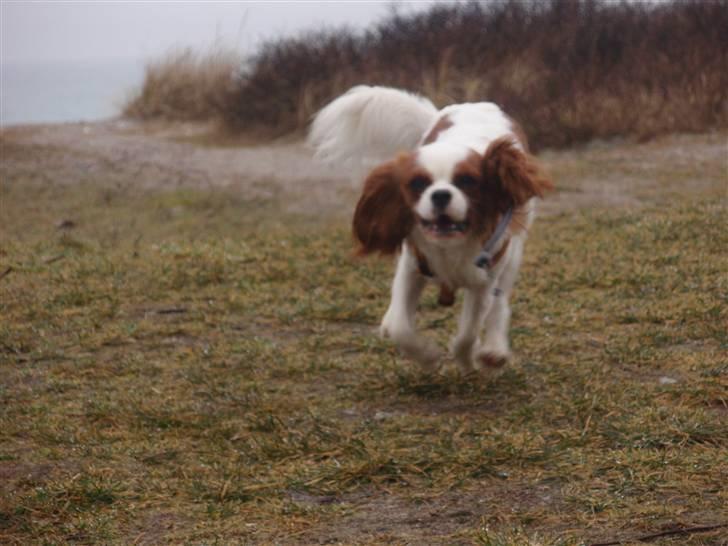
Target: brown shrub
[(568, 70)]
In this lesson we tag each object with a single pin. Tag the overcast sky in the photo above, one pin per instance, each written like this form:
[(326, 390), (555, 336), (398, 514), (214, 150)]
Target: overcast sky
[(93, 30)]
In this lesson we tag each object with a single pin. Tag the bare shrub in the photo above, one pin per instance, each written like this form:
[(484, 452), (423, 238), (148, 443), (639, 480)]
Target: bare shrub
[(569, 70)]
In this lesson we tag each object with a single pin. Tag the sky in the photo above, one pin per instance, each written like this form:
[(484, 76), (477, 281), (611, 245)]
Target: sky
[(35, 31)]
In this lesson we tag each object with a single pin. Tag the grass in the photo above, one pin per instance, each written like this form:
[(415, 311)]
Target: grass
[(186, 85), (568, 70), (186, 367)]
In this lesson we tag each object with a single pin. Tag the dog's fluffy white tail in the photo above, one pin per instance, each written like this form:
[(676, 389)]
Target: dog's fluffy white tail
[(368, 125)]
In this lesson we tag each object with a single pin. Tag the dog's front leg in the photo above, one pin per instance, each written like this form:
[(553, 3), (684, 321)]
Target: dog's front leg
[(494, 352), (476, 304), (399, 321)]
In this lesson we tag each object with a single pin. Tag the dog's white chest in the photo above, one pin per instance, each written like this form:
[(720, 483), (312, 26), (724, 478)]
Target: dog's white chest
[(455, 266)]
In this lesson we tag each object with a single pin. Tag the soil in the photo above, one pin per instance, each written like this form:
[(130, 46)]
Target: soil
[(168, 156)]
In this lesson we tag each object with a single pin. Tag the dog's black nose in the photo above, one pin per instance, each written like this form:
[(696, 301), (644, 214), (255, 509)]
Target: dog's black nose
[(441, 198)]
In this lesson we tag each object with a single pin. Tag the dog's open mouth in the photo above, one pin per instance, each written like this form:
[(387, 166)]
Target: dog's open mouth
[(444, 226)]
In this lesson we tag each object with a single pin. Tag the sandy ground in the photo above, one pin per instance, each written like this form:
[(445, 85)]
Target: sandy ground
[(166, 156)]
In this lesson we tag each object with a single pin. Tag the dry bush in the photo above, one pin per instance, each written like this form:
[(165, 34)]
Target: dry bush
[(569, 70), (185, 85)]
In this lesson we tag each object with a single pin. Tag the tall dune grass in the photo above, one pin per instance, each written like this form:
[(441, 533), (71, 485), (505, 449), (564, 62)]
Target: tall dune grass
[(569, 70), (185, 85)]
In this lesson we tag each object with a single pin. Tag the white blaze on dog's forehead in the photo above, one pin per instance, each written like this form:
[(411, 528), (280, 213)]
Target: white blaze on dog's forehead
[(439, 159)]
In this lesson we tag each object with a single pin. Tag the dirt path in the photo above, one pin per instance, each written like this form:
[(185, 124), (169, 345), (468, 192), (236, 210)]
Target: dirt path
[(163, 156)]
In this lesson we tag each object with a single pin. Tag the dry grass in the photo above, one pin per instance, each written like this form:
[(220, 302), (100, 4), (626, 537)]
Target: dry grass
[(190, 367), (185, 85), (568, 70)]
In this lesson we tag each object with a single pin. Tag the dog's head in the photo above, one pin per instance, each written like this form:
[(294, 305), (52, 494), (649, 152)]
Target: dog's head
[(446, 191)]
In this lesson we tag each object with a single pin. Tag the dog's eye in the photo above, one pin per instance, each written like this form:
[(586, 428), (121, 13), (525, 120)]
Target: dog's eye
[(418, 183), (464, 181)]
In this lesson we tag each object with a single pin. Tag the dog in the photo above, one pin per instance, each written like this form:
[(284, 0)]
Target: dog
[(452, 193)]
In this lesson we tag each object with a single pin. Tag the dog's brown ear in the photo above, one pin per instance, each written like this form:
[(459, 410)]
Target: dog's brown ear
[(382, 218), (513, 174)]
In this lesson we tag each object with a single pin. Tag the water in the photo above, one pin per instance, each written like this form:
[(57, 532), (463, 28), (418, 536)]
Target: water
[(66, 91)]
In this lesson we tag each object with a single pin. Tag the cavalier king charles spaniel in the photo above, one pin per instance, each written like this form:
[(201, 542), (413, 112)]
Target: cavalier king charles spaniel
[(453, 193)]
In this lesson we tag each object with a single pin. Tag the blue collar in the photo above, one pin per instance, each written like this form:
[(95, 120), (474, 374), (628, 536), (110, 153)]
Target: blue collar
[(485, 258)]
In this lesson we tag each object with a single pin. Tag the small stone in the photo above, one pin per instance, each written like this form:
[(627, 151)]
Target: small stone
[(382, 415), (664, 380)]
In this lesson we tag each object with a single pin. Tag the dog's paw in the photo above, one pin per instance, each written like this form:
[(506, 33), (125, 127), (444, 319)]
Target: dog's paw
[(390, 326), (423, 351), (490, 364), (427, 355)]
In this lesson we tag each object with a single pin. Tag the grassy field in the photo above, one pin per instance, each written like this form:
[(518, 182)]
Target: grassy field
[(191, 367)]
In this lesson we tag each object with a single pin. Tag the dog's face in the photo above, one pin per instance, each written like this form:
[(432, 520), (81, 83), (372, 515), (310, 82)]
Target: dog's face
[(447, 192), (437, 194)]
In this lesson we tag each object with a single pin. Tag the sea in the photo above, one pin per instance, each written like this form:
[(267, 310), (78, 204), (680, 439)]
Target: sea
[(66, 91)]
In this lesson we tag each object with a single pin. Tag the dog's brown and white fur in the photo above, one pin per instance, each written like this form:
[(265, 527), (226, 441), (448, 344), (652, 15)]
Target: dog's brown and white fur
[(445, 180)]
